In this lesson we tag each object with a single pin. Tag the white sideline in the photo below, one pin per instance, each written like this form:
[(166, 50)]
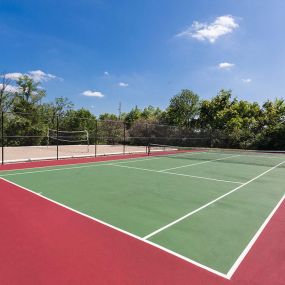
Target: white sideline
[(210, 203), (178, 174), (123, 231), (253, 240), (81, 165), (203, 162), (93, 163)]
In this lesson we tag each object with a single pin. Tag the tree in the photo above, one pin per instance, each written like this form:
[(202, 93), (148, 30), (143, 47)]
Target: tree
[(133, 115), (77, 120), (214, 112), (183, 108), (62, 105), (7, 93), (272, 124), (29, 90), (108, 117), (273, 112), (151, 114)]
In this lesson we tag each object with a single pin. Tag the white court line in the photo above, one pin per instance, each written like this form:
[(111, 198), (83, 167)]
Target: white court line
[(253, 154), (81, 165), (124, 232), (203, 162), (159, 156), (210, 203), (226, 276), (54, 169), (173, 173), (88, 164), (126, 160), (253, 240)]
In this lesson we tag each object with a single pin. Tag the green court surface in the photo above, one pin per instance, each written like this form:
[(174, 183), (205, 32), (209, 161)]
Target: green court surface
[(204, 206)]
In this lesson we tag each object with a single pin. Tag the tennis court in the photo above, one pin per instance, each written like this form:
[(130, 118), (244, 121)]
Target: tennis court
[(205, 207)]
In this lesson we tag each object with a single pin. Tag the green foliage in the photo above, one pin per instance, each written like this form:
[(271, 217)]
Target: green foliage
[(62, 105), (133, 115), (214, 112), (77, 120), (221, 121), (6, 95), (183, 109), (151, 114), (29, 90), (108, 117)]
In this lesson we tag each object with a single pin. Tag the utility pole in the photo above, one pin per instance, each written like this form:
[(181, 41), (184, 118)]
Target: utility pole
[(120, 110)]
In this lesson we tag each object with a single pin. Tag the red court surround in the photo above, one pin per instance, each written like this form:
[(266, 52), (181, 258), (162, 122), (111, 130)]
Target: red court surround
[(43, 243)]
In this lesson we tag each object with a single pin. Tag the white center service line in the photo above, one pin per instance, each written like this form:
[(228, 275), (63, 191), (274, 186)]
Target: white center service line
[(192, 164), (210, 203)]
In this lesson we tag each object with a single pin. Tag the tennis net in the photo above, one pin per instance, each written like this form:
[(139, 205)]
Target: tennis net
[(236, 156)]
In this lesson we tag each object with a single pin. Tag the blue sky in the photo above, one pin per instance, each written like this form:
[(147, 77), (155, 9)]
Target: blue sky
[(144, 52)]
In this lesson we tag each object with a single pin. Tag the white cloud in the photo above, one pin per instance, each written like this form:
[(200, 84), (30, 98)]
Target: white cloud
[(40, 76), (123, 84), (9, 88), (14, 75), (36, 75), (106, 73), (226, 65), (246, 80), (90, 93), (202, 31)]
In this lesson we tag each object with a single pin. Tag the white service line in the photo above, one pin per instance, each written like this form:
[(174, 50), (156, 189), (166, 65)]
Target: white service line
[(178, 174), (254, 154), (210, 203), (123, 231), (192, 164)]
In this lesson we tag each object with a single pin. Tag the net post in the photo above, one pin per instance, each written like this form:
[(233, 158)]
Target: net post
[(57, 127), (2, 137), (96, 138), (124, 142), (148, 149)]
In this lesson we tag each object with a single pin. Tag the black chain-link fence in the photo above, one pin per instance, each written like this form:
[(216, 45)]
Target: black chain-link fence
[(28, 136)]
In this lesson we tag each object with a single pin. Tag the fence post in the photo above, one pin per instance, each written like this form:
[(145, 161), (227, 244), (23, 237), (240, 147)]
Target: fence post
[(2, 137), (57, 127), (124, 142), (96, 137)]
